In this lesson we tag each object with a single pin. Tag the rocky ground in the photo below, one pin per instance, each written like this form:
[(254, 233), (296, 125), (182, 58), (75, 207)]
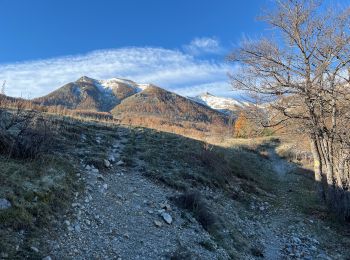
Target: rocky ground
[(286, 233), (124, 215)]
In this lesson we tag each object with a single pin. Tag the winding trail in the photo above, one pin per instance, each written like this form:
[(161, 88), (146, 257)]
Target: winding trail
[(288, 233), (118, 216)]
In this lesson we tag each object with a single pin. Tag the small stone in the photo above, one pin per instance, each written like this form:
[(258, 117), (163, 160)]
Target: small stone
[(77, 228), (105, 186), (36, 250), (111, 158), (167, 218), (5, 204), (158, 223), (88, 222), (47, 258), (296, 240), (100, 177), (88, 167), (94, 170), (67, 222), (165, 206), (120, 163), (106, 163)]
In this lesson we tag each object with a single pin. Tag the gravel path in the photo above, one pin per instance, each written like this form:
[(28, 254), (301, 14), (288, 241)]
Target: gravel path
[(123, 215), (287, 234)]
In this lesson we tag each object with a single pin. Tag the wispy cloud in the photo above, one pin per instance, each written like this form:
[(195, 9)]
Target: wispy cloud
[(204, 45), (172, 69)]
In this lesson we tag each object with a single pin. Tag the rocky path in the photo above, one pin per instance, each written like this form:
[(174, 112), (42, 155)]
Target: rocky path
[(123, 215), (287, 234)]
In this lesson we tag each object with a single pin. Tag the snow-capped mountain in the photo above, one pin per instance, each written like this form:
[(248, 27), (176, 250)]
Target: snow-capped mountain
[(116, 83), (92, 94), (222, 104)]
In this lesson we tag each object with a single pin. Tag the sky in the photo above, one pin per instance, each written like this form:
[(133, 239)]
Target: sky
[(178, 45)]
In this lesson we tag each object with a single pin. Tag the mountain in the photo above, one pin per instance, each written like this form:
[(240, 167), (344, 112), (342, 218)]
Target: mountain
[(155, 101), (138, 104), (90, 94), (222, 104)]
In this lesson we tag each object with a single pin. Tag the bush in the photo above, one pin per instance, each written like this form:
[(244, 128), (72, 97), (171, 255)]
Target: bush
[(24, 134), (193, 202)]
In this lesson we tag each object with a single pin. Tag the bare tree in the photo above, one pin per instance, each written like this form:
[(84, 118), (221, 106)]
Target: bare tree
[(304, 68), (2, 90)]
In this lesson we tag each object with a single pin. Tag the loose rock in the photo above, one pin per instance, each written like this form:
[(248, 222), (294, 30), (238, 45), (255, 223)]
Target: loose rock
[(120, 163), (106, 163), (158, 223), (5, 204), (167, 218), (36, 250)]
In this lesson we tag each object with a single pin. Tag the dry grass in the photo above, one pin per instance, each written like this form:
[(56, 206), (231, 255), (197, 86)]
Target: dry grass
[(41, 188)]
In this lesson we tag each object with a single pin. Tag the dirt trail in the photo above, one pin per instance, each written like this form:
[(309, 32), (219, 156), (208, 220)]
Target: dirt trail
[(288, 234), (119, 217)]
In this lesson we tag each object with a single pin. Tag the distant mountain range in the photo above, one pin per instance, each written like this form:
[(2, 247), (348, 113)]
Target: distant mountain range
[(105, 95), (143, 104)]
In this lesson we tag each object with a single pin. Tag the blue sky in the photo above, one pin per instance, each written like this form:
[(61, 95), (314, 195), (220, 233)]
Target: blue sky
[(179, 45)]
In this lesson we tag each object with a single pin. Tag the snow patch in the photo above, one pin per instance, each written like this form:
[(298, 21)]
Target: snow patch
[(219, 103), (114, 83)]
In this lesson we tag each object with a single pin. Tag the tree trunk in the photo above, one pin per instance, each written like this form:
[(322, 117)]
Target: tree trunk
[(317, 168)]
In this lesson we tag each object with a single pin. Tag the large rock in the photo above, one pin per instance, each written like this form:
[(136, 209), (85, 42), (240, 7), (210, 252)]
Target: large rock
[(5, 204)]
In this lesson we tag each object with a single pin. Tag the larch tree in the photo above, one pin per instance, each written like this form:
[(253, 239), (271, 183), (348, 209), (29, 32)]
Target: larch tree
[(303, 67)]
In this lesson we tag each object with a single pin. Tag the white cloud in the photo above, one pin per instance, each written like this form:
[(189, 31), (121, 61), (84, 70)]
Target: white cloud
[(171, 69), (204, 45)]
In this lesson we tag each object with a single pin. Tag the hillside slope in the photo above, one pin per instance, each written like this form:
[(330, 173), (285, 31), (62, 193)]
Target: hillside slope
[(169, 108), (110, 192)]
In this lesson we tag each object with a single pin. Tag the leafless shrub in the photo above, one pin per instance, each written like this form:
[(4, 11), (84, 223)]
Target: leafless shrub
[(24, 133), (193, 202)]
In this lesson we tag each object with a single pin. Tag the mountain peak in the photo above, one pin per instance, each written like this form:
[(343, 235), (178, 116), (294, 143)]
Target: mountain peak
[(206, 94), (85, 79), (223, 104)]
